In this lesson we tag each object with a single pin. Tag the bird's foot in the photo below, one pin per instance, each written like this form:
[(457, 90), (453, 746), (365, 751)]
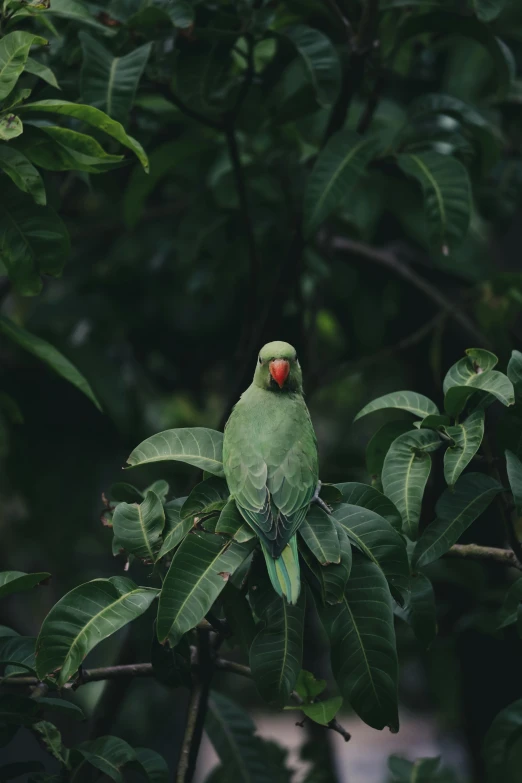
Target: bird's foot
[(316, 499)]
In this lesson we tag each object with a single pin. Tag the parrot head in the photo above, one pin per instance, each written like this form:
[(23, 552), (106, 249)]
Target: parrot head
[(278, 368)]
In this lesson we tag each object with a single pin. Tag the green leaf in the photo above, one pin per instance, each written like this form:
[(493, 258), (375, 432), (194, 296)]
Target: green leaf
[(61, 149), (514, 371), (108, 754), (14, 50), (17, 653), (502, 745), (487, 10), (121, 492), (91, 116), (362, 640), (447, 196), (319, 533), (403, 400), (405, 473), (232, 733), (151, 764), (197, 446), (419, 771), (138, 527), (335, 175), (277, 650), (67, 708), (48, 354), (376, 538), (323, 712), (231, 523), (514, 471), (456, 509), (467, 438), (455, 24), (33, 242), (83, 618), (379, 444), (198, 573), (435, 421), (320, 60), (474, 372), (36, 68), (207, 497), (358, 494), (77, 11), (509, 609), (52, 739), (421, 611), (16, 581), (10, 127), (108, 82), (307, 687), (23, 174), (176, 528)]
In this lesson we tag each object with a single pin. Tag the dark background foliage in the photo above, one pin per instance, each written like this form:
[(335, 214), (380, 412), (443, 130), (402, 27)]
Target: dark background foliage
[(176, 278)]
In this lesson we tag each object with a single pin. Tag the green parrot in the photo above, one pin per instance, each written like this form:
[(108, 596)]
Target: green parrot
[(270, 461)]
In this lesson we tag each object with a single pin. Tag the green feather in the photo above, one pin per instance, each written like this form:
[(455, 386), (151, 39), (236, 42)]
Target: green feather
[(284, 571)]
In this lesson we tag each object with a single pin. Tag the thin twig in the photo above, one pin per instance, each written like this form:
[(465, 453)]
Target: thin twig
[(505, 557), (337, 12), (390, 260), (192, 717)]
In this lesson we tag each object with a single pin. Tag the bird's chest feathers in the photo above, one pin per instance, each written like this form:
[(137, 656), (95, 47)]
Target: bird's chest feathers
[(272, 421)]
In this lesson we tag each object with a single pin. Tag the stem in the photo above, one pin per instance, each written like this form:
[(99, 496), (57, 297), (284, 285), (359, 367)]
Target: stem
[(197, 712), (505, 557), (192, 716), (390, 260)]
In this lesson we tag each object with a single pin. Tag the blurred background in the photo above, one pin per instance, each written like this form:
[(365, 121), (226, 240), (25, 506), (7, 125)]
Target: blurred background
[(171, 288)]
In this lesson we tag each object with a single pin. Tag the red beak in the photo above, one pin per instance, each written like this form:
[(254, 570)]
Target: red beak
[(279, 369)]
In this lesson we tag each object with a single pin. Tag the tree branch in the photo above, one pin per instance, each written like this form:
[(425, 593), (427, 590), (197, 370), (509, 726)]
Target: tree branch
[(146, 670), (505, 557), (390, 260), (194, 708)]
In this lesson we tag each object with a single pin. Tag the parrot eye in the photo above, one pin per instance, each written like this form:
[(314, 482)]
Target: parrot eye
[(260, 362)]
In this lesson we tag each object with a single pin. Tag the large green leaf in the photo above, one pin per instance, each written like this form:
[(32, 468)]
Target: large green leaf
[(503, 744), (33, 242), (16, 581), (467, 438), (376, 538), (197, 446), (473, 372), (277, 650), (405, 473), (319, 533), (231, 523), (176, 528), (232, 733), (207, 497), (52, 739), (456, 509), (364, 495), (362, 640), (487, 10), (332, 579), (335, 175), (109, 82), (14, 50), (198, 573), (22, 173), (48, 354), (514, 471), (17, 653), (108, 754), (447, 196), (91, 116), (61, 149), (79, 12), (83, 618), (456, 24), (378, 446), (138, 527), (37, 68), (320, 59), (514, 371), (409, 401)]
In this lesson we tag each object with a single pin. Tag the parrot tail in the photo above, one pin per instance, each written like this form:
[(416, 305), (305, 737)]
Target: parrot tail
[(284, 570)]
